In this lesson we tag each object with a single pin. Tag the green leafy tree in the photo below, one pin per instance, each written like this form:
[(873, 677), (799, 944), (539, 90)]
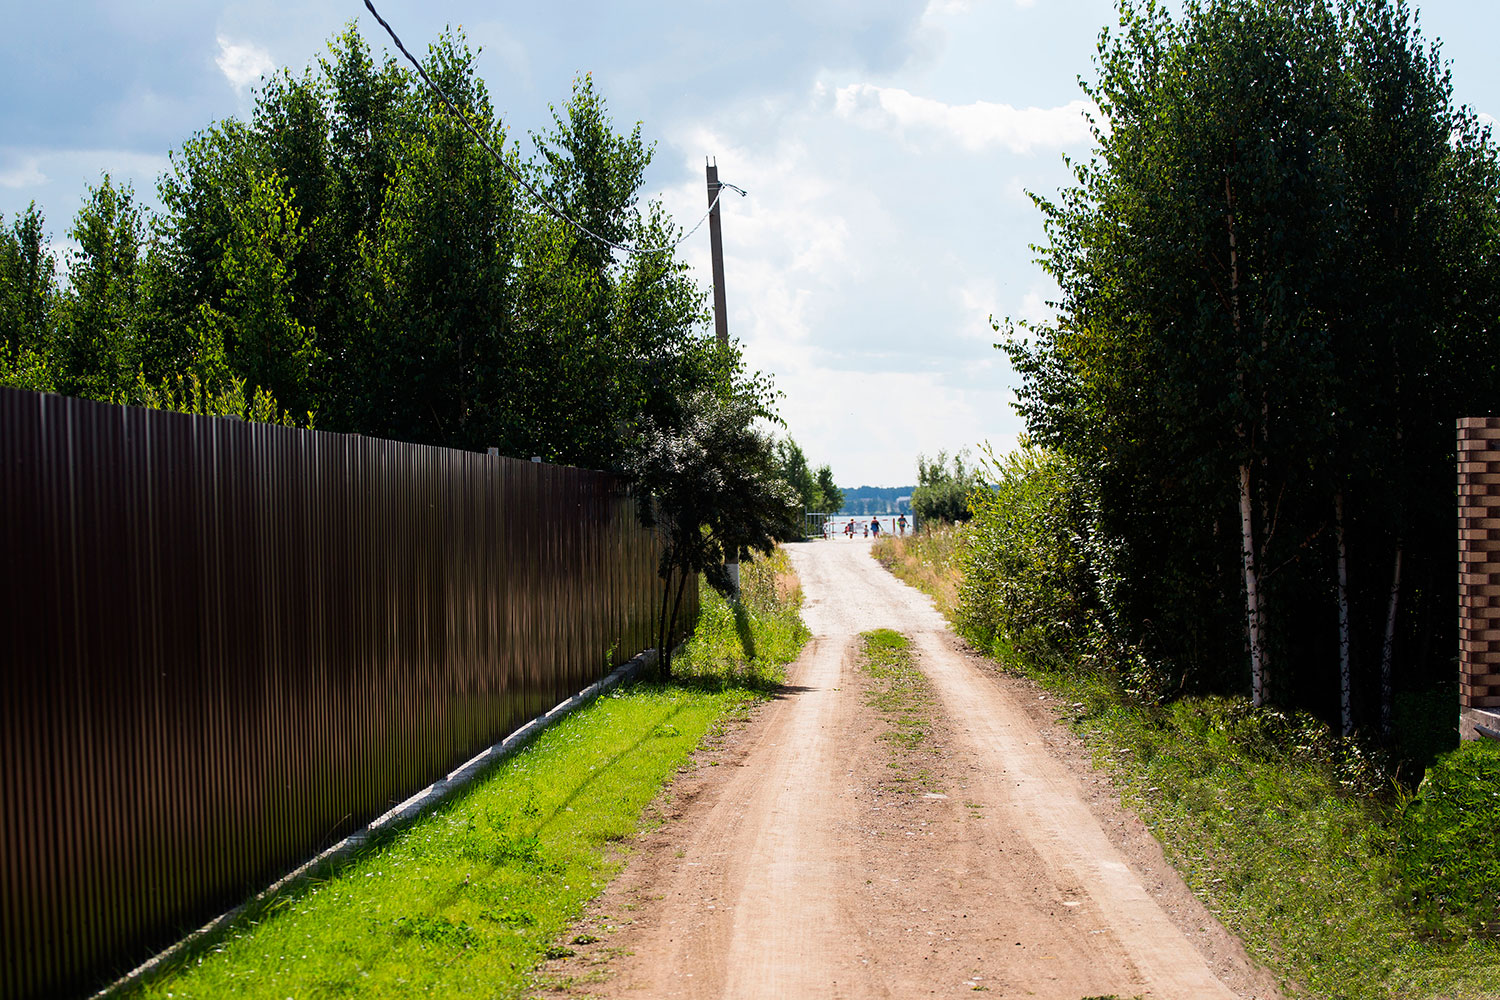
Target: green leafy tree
[(1412, 317), (97, 349), (815, 491), (710, 488), (416, 291), (943, 487), (832, 496), (1260, 325), (792, 467), (625, 333), (28, 296), (437, 276), (255, 318)]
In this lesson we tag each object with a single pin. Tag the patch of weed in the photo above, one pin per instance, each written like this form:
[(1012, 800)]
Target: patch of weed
[(748, 642), (1446, 849), (900, 692)]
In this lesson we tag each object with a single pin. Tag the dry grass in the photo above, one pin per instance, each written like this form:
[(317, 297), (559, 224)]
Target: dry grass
[(928, 560)]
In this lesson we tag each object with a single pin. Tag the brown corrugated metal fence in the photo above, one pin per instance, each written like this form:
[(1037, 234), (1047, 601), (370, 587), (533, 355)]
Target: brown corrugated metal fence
[(229, 644)]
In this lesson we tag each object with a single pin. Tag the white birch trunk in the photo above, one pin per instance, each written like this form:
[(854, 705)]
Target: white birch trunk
[(1346, 677), (1388, 648), (1252, 593), (1259, 670)]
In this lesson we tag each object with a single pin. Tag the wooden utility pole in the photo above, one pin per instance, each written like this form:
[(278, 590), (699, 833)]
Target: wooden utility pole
[(716, 247), (721, 319)]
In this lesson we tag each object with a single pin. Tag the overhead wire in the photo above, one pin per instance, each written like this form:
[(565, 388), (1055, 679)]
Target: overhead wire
[(521, 180)]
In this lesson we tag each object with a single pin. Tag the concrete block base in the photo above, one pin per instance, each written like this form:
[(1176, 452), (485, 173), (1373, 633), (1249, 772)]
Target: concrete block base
[(1468, 718)]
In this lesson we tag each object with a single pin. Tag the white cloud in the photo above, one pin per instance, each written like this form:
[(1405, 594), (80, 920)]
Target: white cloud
[(975, 127), (978, 301), (789, 235), (243, 63), (1034, 307), (26, 173), (935, 7)]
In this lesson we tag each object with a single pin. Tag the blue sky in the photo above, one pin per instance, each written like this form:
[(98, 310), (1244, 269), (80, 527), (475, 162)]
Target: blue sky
[(886, 146)]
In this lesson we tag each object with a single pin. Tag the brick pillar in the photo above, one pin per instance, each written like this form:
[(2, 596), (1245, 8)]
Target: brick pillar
[(1478, 573)]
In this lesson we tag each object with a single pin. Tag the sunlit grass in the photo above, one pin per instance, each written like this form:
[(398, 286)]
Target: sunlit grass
[(472, 897), (749, 641), (900, 692)]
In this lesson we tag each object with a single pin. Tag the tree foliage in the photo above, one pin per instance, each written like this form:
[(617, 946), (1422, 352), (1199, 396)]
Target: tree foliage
[(1278, 291), (830, 498), (943, 487), (708, 483), (1025, 570), (815, 490), (28, 294), (350, 253)]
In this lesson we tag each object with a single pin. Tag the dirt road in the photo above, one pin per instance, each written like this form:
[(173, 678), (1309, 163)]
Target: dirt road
[(792, 865)]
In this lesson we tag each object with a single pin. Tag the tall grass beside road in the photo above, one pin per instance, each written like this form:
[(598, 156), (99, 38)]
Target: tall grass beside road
[(1349, 886), (473, 897), (748, 642), (928, 560)]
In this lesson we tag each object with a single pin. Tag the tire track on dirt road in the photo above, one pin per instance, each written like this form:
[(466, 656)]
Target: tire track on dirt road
[(802, 872)]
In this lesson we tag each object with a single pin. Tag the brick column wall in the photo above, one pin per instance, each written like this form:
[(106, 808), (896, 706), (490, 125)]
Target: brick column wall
[(1479, 573)]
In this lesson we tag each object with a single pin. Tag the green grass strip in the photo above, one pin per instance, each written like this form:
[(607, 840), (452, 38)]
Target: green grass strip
[(900, 692), (469, 899)]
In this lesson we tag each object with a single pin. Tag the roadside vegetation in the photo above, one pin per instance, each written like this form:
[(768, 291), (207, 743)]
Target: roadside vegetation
[(748, 642), (1332, 868), (1227, 540), (475, 895), (926, 559)]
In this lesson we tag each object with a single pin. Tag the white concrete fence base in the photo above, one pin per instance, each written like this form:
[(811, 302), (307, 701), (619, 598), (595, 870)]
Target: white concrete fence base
[(400, 814)]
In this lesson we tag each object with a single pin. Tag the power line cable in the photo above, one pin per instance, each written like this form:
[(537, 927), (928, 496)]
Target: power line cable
[(519, 179)]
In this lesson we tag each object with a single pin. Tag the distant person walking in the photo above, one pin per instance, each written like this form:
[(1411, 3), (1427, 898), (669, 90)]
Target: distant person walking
[(901, 525), (875, 526), (849, 530)]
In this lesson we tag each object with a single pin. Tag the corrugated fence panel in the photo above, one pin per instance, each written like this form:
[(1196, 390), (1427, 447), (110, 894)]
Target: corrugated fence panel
[(231, 644)]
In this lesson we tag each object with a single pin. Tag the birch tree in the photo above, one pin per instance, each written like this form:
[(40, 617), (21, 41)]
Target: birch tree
[(1271, 272), (1188, 257)]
